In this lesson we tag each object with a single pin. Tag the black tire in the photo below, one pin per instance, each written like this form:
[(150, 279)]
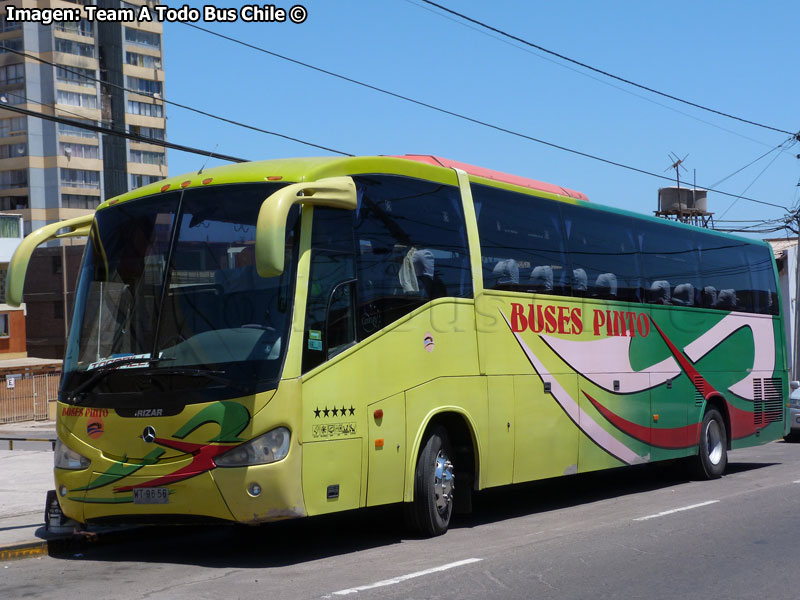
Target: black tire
[(712, 455), (429, 514), (792, 437)]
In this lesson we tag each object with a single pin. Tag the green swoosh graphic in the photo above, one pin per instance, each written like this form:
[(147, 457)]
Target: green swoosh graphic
[(231, 417), (120, 470)]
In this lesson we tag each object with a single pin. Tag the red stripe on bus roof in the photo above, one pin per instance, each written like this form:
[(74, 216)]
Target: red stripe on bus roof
[(495, 175)]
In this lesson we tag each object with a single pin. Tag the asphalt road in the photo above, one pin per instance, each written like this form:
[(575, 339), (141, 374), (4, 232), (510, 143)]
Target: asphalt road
[(643, 532)]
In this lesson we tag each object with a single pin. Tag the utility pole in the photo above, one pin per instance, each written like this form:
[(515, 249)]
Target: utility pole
[(794, 306), (794, 374)]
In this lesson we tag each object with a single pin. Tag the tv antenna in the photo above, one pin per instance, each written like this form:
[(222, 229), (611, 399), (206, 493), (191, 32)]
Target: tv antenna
[(677, 164)]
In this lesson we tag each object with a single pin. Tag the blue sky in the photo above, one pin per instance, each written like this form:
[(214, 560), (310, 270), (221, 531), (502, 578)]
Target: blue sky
[(738, 57)]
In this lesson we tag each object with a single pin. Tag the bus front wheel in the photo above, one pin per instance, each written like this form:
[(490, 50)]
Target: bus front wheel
[(429, 514), (712, 456)]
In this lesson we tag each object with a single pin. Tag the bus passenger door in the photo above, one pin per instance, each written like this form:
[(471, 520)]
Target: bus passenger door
[(333, 419)]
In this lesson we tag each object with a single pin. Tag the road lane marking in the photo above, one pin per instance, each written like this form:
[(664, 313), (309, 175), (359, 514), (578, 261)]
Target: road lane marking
[(675, 510), (402, 578)]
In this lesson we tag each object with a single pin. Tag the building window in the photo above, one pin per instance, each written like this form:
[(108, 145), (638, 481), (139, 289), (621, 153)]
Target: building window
[(14, 44), (9, 25), (18, 178), (13, 126), (13, 97), (142, 38), (10, 227), (80, 178), (71, 47), (4, 331), (82, 28), (13, 202), (145, 109), (144, 86), (76, 99), (142, 60), (79, 150), (155, 133), (12, 74), (76, 75), (148, 158), (138, 181), (75, 131), (79, 201), (13, 150)]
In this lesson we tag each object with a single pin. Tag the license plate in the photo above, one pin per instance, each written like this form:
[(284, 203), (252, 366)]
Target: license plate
[(155, 495)]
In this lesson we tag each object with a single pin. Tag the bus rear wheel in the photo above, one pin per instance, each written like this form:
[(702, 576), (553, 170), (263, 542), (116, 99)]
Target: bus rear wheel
[(712, 455), (434, 480)]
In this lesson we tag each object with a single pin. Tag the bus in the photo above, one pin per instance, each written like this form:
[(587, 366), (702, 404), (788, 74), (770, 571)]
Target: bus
[(297, 337)]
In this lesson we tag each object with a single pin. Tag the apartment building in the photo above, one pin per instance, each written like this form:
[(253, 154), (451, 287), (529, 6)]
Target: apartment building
[(51, 171)]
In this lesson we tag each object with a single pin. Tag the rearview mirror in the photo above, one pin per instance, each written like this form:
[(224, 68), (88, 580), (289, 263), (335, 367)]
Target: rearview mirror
[(336, 192), (18, 267)]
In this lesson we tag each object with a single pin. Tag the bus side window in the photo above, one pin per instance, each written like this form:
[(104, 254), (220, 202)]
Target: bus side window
[(762, 274), (411, 248), (670, 266), (724, 267), (604, 246), (329, 327), (522, 242)]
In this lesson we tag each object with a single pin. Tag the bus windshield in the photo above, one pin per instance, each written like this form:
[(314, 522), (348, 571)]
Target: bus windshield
[(169, 307)]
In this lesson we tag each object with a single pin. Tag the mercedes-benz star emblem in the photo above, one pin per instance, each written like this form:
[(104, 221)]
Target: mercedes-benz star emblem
[(149, 434)]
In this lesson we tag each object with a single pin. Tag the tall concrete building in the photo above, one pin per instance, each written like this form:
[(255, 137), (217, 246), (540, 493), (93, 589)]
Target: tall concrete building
[(54, 171)]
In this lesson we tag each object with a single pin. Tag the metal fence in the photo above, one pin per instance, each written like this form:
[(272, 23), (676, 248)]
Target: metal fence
[(29, 398)]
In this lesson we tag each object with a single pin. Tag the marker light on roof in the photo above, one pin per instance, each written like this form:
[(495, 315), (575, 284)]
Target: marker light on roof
[(186, 183), (164, 188), (274, 177), (208, 180)]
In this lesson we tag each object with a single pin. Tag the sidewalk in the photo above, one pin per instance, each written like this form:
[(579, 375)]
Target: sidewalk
[(25, 477)]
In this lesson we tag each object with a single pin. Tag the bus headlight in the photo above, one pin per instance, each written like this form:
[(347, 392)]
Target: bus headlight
[(67, 458), (268, 448)]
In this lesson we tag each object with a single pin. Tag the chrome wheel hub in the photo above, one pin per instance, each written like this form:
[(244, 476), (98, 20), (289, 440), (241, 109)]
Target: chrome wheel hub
[(443, 481), (714, 442)]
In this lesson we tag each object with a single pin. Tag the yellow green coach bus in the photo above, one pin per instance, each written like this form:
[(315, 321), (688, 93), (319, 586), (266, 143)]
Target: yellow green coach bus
[(296, 337)]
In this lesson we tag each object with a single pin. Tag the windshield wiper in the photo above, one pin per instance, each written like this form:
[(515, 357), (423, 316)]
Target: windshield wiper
[(101, 372)]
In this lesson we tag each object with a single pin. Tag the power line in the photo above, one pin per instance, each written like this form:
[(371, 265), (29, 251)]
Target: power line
[(173, 103), (125, 134), (465, 117), (587, 75), (751, 183), (602, 72), (778, 147)]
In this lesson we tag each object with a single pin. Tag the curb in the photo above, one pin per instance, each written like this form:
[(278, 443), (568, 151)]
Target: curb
[(61, 544), (24, 550), (57, 546)]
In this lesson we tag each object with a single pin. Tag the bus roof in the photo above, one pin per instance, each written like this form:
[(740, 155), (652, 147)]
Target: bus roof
[(423, 166), (313, 168), (496, 175)]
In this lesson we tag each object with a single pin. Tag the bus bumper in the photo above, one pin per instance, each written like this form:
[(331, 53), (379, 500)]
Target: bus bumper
[(264, 493), (252, 494)]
